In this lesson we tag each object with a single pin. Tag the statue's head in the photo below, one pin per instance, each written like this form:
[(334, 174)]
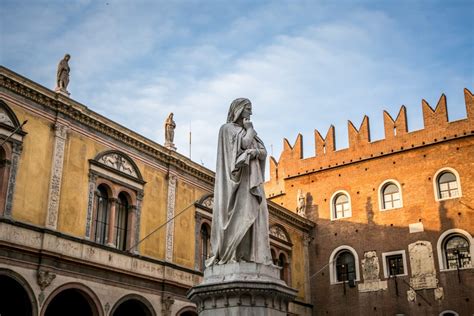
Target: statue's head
[(67, 57), (236, 108)]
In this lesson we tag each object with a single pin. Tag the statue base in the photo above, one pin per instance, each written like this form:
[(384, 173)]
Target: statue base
[(243, 288), (170, 146), (62, 91)]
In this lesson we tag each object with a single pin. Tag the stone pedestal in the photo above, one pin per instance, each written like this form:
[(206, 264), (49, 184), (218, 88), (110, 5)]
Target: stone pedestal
[(242, 289)]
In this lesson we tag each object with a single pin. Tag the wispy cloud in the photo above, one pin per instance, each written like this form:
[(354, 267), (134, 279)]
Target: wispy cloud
[(304, 65)]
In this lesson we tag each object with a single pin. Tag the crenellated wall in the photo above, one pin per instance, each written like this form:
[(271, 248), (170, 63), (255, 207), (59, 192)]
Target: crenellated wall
[(437, 128)]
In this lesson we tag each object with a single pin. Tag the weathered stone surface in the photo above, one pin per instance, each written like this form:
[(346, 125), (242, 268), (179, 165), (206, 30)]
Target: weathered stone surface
[(422, 266), (242, 289)]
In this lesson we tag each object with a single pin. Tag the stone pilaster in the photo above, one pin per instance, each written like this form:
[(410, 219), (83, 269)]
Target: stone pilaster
[(307, 288), (197, 242), (60, 135), (169, 215), (16, 152), (136, 224), (90, 203)]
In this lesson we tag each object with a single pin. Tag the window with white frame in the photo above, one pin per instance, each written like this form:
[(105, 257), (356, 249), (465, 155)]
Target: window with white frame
[(391, 197), (455, 250), (394, 263), (341, 206), (448, 313), (447, 184), (344, 265)]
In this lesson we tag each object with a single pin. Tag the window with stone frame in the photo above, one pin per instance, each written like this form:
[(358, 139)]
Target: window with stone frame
[(345, 266), (448, 186), (391, 196), (115, 195), (395, 265), (101, 218), (205, 244), (203, 218), (281, 249), (457, 252), (341, 206), (11, 141)]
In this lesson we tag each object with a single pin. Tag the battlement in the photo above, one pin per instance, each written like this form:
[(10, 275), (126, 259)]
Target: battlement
[(437, 128)]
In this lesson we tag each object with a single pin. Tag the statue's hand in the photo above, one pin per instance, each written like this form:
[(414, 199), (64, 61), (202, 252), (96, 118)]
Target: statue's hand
[(248, 124)]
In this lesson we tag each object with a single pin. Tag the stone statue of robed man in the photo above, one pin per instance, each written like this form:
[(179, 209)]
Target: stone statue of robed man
[(240, 215), (62, 75)]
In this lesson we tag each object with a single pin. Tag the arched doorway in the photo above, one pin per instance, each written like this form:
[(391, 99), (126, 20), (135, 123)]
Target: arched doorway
[(72, 300), (17, 299), (133, 305), (187, 311)]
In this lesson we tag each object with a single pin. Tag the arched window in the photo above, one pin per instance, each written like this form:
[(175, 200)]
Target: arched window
[(121, 222), (391, 197), (341, 205), (448, 313), (3, 176), (101, 215), (455, 249), (447, 185), (284, 272), (205, 244), (345, 266)]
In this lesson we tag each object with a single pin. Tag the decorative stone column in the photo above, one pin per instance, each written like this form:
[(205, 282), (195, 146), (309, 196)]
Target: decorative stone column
[(169, 215), (197, 242), (60, 135), (244, 289), (90, 203), (16, 152), (112, 216), (307, 287)]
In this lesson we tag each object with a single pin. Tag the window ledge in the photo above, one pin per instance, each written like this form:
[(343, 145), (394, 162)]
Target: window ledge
[(390, 209), (451, 270)]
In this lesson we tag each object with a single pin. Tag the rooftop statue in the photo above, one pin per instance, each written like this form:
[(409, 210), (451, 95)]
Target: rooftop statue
[(62, 75), (240, 215), (170, 125)]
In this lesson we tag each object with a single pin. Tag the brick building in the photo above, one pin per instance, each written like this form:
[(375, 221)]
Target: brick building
[(394, 217), (96, 219)]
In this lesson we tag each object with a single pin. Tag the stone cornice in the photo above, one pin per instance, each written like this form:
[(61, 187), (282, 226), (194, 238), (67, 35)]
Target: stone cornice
[(80, 113), (286, 215)]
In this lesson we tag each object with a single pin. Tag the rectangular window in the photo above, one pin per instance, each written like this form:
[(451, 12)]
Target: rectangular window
[(394, 263)]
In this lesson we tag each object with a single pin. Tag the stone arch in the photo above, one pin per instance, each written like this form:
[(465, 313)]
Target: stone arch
[(7, 116), (85, 292), (142, 302), (280, 232), (113, 159), (187, 311), (7, 273)]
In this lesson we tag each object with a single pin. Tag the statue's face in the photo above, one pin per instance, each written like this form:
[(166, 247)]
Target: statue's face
[(247, 111)]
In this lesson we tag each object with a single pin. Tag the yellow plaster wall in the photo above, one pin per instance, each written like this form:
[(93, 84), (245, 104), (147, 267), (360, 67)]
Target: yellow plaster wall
[(74, 186), (184, 225), (297, 264), (153, 212), (32, 182)]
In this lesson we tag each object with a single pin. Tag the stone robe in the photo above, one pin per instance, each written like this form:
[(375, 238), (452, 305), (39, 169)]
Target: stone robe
[(240, 214)]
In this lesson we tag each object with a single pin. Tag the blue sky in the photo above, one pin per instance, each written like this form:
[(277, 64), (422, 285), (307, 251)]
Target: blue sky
[(304, 64)]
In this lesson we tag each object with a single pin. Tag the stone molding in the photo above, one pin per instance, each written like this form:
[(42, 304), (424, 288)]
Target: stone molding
[(54, 195), (243, 288), (81, 114), (170, 209)]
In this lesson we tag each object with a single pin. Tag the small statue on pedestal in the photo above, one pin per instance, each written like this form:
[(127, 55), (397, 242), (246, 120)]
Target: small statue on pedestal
[(170, 125), (62, 75)]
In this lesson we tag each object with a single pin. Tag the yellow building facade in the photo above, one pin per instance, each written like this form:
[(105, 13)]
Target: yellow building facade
[(100, 220)]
